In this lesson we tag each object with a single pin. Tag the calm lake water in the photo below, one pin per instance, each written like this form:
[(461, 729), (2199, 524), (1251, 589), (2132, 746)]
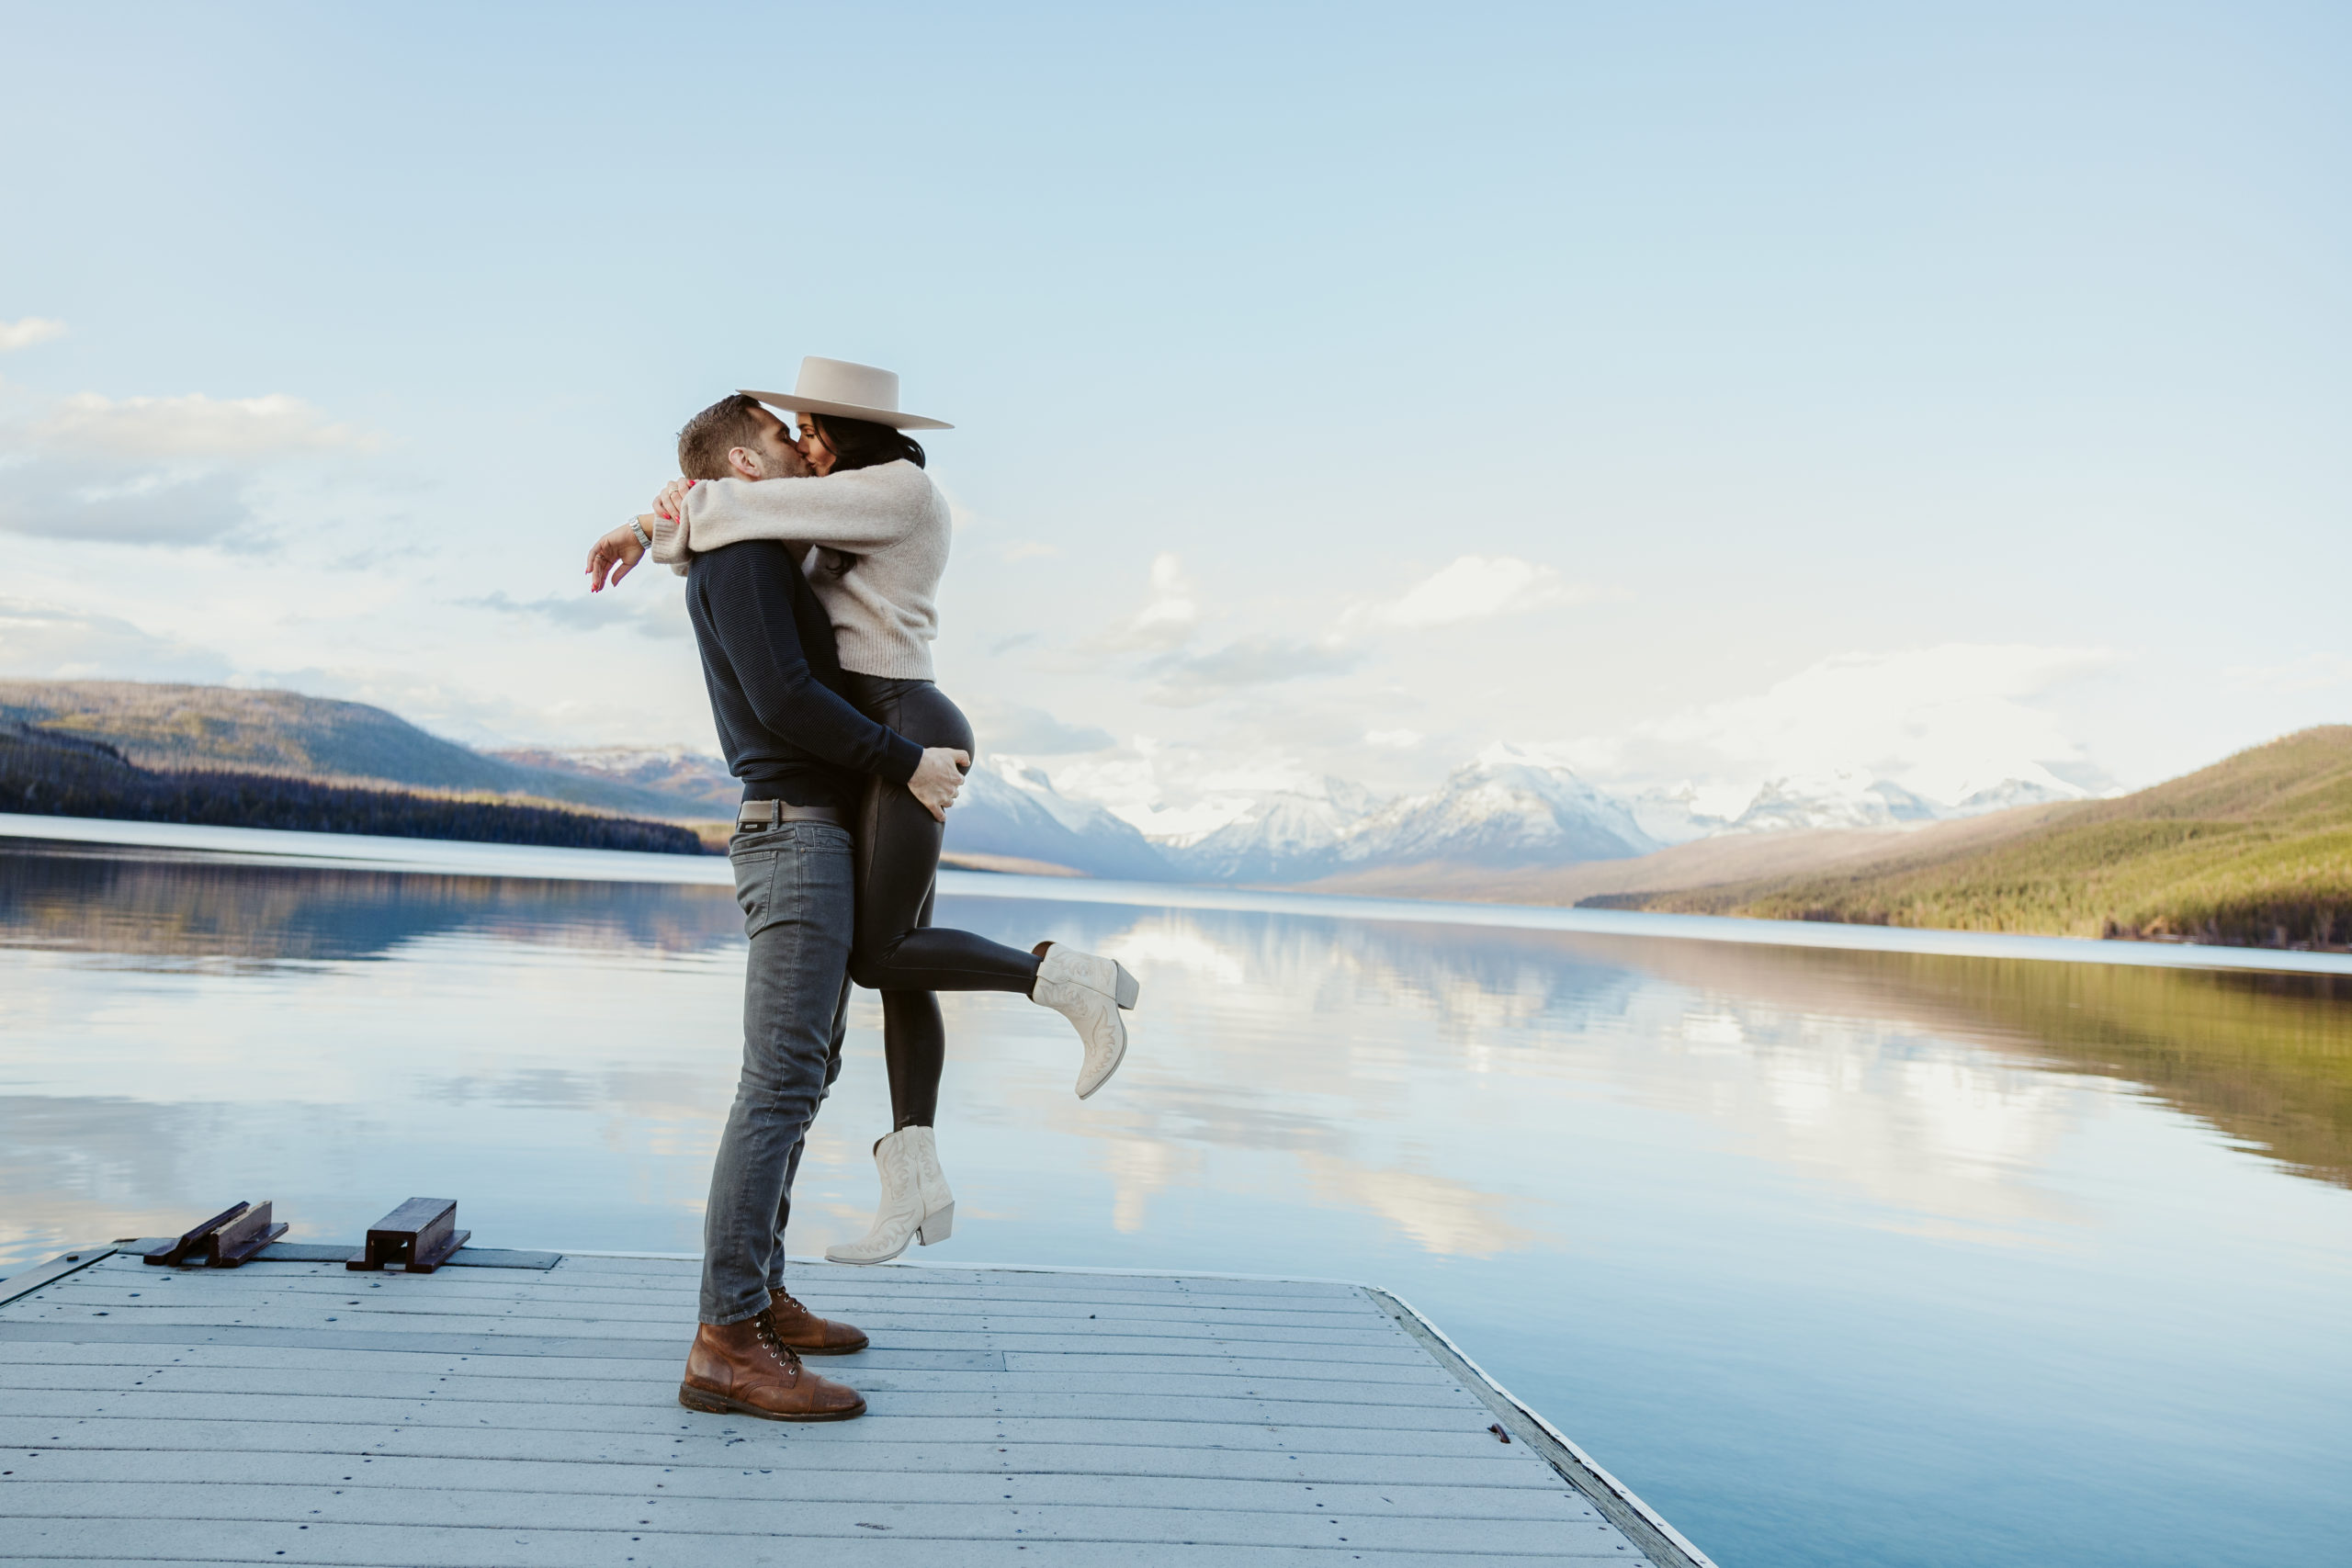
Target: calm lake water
[(1836, 1258)]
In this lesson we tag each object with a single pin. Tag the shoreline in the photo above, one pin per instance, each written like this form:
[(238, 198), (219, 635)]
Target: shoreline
[(352, 852)]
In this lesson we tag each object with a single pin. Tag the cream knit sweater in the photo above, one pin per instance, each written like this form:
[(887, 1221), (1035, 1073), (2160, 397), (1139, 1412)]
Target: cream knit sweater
[(890, 517)]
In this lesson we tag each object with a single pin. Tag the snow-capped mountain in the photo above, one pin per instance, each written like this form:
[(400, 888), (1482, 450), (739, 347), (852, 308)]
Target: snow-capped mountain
[(1503, 812), (2039, 791), (1843, 800), (1010, 808), (1500, 811), (1852, 798), (1281, 835)]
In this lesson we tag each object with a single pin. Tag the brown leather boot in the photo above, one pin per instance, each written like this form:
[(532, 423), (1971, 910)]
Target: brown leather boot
[(804, 1331), (743, 1368)]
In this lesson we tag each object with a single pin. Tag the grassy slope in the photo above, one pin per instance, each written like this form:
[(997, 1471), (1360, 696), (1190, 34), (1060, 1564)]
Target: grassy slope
[(2255, 849), (214, 728)]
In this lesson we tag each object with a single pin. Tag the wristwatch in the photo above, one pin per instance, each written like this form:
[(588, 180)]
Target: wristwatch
[(643, 539)]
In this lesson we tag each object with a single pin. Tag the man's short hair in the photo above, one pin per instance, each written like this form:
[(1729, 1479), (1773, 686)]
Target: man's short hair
[(704, 444)]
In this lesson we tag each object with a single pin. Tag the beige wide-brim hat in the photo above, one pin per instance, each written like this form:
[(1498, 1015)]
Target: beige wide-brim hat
[(849, 391)]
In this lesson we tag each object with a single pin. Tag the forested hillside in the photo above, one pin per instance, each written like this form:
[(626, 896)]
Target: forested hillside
[(49, 775), (216, 729)]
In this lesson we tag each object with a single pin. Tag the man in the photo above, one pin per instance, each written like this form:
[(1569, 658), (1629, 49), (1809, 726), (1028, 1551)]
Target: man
[(802, 752)]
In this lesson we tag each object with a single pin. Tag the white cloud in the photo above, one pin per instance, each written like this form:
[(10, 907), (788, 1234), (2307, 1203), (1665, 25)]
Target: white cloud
[(1596, 756), (28, 331), (2312, 672), (152, 507), (42, 641), (1168, 616), (1001, 726), (147, 429), (1394, 740), (1126, 781), (655, 615), (1473, 588), (1942, 721), (155, 470), (1189, 679)]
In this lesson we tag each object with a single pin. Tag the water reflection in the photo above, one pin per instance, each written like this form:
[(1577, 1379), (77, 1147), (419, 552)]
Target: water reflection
[(1922, 1082), (2266, 1059), (155, 904), (1775, 1229), (1414, 1074)]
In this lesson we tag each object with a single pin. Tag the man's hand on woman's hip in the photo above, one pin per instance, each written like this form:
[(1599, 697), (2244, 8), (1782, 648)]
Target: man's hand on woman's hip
[(937, 778)]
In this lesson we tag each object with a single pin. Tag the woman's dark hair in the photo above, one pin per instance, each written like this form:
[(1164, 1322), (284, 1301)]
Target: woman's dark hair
[(862, 444)]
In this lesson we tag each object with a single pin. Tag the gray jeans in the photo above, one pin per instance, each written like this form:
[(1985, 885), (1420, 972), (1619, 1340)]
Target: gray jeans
[(795, 882)]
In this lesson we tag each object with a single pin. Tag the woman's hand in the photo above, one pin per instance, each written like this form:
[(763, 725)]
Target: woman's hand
[(615, 553), (937, 778), (671, 502)]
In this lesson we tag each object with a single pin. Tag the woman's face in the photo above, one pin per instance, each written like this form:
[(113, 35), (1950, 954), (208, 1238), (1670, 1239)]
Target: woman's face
[(821, 457)]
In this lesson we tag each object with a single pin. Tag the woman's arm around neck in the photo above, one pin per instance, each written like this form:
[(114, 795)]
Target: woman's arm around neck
[(857, 511)]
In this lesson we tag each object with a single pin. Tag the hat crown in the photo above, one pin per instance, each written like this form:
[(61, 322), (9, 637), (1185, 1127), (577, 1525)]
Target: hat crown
[(841, 381), (843, 389)]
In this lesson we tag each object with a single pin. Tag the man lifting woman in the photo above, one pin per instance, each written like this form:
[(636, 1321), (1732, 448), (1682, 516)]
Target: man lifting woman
[(812, 561)]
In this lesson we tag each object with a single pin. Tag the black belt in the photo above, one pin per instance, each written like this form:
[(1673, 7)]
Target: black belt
[(771, 813)]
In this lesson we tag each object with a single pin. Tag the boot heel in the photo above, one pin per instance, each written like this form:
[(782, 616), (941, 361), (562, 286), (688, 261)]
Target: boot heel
[(1127, 992), (695, 1399), (937, 1226)]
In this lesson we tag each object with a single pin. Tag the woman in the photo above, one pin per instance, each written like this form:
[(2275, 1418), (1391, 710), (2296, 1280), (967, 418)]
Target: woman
[(878, 532)]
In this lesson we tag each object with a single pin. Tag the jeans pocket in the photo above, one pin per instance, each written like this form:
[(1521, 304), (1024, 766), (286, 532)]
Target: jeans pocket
[(755, 886)]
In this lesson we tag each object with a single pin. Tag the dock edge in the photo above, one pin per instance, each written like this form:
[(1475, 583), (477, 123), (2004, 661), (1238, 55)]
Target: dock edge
[(1659, 1541)]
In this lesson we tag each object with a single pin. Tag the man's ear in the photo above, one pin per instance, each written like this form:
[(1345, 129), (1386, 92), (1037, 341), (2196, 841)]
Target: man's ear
[(746, 463)]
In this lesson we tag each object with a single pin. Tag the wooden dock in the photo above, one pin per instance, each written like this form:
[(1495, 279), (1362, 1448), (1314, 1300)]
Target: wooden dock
[(521, 1408)]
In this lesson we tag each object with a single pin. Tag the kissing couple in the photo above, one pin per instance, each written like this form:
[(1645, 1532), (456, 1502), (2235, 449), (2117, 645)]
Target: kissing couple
[(812, 564)]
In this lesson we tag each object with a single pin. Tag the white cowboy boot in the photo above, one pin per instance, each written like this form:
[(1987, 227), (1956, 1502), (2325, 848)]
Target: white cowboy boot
[(938, 1204), (915, 1199), (1089, 991)]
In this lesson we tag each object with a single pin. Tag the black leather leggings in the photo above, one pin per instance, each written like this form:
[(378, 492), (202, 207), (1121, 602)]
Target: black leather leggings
[(898, 951)]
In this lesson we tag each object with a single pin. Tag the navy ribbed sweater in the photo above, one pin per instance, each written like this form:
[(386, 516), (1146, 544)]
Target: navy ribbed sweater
[(775, 679)]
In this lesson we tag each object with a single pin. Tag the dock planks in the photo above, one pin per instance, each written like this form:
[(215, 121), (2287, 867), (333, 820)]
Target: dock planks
[(292, 1412)]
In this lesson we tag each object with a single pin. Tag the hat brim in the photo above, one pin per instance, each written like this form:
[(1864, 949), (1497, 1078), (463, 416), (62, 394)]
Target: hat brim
[(890, 417)]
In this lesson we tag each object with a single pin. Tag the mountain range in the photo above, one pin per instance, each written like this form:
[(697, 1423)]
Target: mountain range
[(1504, 816), (1503, 813)]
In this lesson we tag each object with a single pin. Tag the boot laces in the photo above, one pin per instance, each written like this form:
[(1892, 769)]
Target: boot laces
[(784, 1354)]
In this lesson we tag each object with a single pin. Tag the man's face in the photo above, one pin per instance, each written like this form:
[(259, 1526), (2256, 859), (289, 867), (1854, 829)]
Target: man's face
[(774, 453)]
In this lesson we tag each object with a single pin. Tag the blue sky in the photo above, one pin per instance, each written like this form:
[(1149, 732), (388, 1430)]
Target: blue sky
[(1696, 392)]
